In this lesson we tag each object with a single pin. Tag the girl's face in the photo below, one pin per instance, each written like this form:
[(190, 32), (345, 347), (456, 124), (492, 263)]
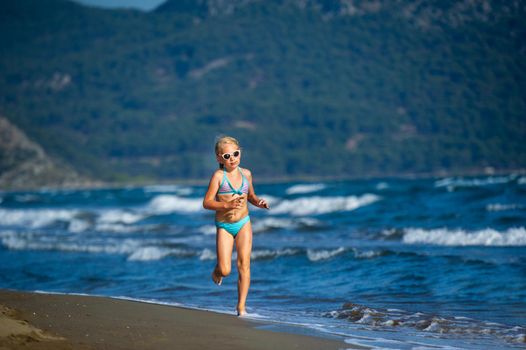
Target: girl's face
[(232, 152)]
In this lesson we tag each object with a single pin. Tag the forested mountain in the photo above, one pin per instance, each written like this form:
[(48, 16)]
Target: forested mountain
[(310, 87)]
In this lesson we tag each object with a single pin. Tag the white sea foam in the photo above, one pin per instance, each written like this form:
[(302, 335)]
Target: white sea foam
[(262, 254), (503, 207), (322, 205), (207, 254), (305, 188), (78, 221), (487, 237), (423, 322), (31, 241), (108, 220), (112, 216), (207, 230), (271, 200), (271, 223), (118, 228), (152, 253), (177, 189), (317, 255), (135, 249), (451, 183), (521, 180), (270, 254), (78, 225), (309, 222), (166, 204), (366, 254), (148, 254), (35, 218)]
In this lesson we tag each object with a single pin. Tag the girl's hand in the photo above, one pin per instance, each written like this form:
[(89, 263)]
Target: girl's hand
[(236, 203), (263, 204)]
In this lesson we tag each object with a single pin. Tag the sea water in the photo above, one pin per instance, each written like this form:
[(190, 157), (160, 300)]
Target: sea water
[(385, 263)]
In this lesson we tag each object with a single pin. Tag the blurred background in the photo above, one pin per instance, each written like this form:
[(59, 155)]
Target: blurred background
[(135, 91)]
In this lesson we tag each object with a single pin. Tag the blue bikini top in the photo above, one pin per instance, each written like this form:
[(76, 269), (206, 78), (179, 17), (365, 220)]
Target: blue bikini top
[(227, 188)]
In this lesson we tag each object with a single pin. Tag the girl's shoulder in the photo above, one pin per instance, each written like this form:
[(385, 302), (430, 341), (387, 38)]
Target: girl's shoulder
[(217, 174), (246, 172)]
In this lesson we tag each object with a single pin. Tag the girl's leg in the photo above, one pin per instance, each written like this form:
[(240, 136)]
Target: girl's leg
[(224, 245), (244, 249)]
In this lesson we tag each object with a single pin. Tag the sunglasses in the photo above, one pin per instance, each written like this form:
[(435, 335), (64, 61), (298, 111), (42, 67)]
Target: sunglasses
[(235, 154)]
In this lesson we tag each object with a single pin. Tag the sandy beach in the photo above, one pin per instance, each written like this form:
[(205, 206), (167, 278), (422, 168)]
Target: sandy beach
[(50, 321)]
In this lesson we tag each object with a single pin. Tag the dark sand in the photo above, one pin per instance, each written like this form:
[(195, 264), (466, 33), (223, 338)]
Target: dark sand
[(48, 321)]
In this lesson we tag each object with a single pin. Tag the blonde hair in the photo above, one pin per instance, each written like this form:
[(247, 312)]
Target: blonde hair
[(223, 140)]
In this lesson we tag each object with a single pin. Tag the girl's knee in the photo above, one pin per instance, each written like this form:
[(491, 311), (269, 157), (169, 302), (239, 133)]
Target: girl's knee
[(224, 269), (243, 265)]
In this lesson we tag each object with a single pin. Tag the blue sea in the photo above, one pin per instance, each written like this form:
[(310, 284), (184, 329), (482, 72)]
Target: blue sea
[(435, 263)]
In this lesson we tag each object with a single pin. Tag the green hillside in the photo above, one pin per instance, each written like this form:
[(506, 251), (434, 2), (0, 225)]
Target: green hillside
[(311, 88)]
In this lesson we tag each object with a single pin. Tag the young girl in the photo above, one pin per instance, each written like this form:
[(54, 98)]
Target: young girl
[(228, 192)]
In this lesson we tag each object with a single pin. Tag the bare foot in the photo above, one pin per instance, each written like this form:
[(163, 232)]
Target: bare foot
[(217, 279), (241, 312)]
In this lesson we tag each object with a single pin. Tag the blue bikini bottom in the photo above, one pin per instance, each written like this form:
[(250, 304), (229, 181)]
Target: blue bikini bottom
[(233, 227)]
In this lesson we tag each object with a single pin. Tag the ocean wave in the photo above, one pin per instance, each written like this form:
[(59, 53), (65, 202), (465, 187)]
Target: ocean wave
[(148, 254), (368, 254), (503, 207), (122, 228), (136, 250), (32, 241), (207, 230), (318, 255), (265, 254), (426, 322), (35, 218), (76, 220), (262, 225), (116, 222), (311, 254), (451, 183), (157, 253), (322, 205), (78, 225), (487, 237), (118, 216), (305, 188), (177, 189), (270, 223), (167, 204), (259, 254), (207, 254), (271, 200)]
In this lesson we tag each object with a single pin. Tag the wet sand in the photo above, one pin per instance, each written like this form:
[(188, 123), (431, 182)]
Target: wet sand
[(50, 321)]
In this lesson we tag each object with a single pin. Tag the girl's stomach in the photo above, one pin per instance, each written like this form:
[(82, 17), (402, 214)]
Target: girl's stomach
[(232, 215)]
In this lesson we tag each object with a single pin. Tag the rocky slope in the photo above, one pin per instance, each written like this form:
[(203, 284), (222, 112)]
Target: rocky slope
[(24, 164)]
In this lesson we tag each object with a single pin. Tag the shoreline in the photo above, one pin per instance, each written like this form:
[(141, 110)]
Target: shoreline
[(37, 320), (106, 185)]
